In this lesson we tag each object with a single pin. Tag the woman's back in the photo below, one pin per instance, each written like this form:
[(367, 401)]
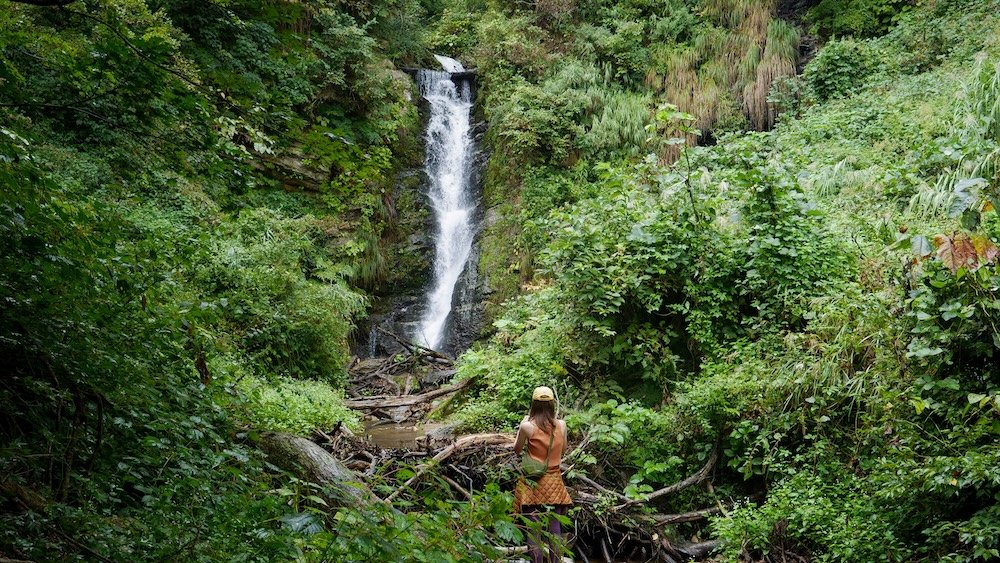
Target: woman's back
[(538, 443)]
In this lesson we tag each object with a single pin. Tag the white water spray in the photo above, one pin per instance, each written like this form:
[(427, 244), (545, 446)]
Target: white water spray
[(448, 166)]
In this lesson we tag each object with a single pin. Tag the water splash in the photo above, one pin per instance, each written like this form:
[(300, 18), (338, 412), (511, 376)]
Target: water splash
[(449, 64), (448, 166)]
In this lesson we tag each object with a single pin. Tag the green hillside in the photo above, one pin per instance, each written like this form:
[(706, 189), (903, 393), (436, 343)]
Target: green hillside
[(760, 235)]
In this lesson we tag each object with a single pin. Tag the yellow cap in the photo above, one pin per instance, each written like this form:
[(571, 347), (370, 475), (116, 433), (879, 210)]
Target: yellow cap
[(543, 394)]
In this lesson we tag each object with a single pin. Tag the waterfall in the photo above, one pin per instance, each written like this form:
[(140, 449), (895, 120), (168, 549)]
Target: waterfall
[(448, 164)]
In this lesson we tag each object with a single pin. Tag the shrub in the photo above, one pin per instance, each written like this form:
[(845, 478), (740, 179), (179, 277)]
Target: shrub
[(810, 514), (859, 18), (838, 69), (288, 405)]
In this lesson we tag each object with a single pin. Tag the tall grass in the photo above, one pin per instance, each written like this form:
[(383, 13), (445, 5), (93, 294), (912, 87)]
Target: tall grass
[(738, 60), (830, 181), (622, 123), (781, 52), (977, 126)]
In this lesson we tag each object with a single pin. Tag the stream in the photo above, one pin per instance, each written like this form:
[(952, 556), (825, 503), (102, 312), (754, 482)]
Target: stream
[(400, 435)]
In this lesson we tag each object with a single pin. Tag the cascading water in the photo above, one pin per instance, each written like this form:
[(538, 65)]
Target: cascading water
[(448, 164)]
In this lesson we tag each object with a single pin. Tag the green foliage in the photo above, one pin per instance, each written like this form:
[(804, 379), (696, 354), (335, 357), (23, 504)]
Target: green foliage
[(451, 34), (789, 255), (164, 235), (289, 305), (442, 531), (838, 69), (808, 513), (783, 291), (542, 342), (613, 426), (620, 45), (288, 405), (621, 125), (536, 125), (859, 18), (190, 191)]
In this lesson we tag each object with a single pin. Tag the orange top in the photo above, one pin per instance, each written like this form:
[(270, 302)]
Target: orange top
[(538, 443)]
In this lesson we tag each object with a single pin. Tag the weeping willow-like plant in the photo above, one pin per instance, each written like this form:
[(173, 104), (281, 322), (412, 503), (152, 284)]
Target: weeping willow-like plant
[(733, 13), (710, 43), (778, 60), (677, 78), (728, 67), (372, 266), (622, 123)]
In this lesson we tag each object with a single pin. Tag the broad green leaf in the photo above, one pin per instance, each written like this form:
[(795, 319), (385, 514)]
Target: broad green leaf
[(976, 397)]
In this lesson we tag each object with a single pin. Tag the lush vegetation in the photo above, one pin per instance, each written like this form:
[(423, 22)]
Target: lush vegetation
[(197, 207), (820, 299), (706, 242)]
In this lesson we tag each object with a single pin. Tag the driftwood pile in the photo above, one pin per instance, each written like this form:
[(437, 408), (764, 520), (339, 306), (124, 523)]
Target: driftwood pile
[(608, 525), (387, 388)]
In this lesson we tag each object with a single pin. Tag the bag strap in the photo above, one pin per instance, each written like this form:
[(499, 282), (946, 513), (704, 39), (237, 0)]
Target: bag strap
[(552, 437)]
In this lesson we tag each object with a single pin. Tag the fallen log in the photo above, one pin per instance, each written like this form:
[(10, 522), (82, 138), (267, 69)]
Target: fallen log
[(25, 496), (390, 401), (312, 463)]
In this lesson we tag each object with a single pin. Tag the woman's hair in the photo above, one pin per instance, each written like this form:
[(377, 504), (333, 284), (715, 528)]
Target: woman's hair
[(543, 414)]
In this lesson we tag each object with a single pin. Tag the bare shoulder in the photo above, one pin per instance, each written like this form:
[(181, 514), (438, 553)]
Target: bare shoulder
[(527, 427)]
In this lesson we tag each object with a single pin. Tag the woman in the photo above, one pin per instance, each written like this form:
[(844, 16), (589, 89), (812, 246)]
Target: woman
[(545, 437)]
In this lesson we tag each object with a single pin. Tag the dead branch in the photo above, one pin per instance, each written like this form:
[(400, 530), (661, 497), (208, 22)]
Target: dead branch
[(599, 487), (605, 552), (694, 515), (694, 479), (391, 383), (388, 401), (413, 347), (457, 487), (472, 441)]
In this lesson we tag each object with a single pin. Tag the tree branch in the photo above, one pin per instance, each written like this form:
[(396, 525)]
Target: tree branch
[(142, 55), (386, 402), (466, 442), (411, 346), (694, 479)]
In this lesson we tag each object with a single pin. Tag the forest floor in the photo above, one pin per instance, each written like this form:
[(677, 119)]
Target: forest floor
[(409, 443)]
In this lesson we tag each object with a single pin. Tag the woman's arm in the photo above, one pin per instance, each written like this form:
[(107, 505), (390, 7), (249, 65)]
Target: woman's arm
[(524, 432)]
